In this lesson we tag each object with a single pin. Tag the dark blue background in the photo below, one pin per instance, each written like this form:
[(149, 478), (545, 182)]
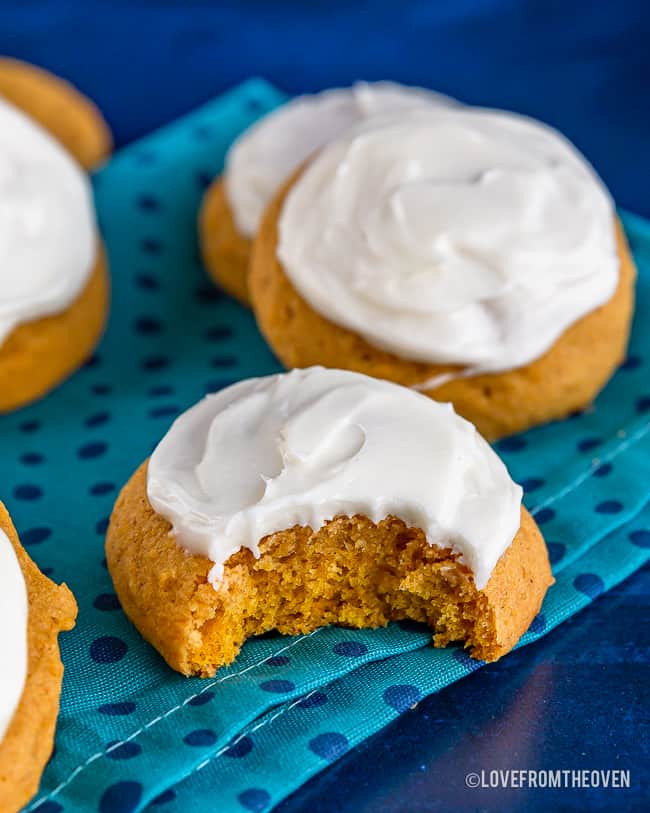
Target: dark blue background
[(579, 698), (582, 65)]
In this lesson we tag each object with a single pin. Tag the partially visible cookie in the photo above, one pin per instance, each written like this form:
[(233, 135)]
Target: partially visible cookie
[(55, 288), (40, 354), (264, 156), (28, 741), (58, 107), (225, 250)]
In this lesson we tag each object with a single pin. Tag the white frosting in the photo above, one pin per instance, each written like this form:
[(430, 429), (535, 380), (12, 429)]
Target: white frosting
[(459, 236), (268, 152), (13, 633), (47, 226), (304, 447)]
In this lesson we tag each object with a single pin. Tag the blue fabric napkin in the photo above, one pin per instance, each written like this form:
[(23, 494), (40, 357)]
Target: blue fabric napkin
[(134, 735)]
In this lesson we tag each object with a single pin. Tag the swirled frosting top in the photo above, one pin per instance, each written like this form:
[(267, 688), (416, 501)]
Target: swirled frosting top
[(458, 236), (269, 151), (47, 223), (304, 447)]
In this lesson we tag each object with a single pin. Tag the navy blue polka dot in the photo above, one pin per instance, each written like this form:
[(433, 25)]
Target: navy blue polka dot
[(543, 515), (98, 419), (643, 404), (32, 458), (223, 361), (402, 696), (603, 470), (538, 624), (515, 444), (640, 538), (254, 106), (48, 807), (122, 797), (609, 507), (148, 203), (100, 389), (254, 799), (107, 649), (163, 389), (99, 489), (556, 551), (330, 745), (350, 649), (631, 363), (312, 701), (102, 525), (206, 294), (28, 491), (201, 699), (204, 179), (153, 363), (92, 450), (106, 602), (201, 737), (29, 427), (532, 484), (165, 411), (277, 660), (34, 536), (218, 333), (92, 362), (214, 385), (147, 282), (277, 686), (145, 157), (202, 132), (240, 748), (117, 709), (590, 584), (127, 750), (588, 444), (148, 325), (164, 798), (151, 245)]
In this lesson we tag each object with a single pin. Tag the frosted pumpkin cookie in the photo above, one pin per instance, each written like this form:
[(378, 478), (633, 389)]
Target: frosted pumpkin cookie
[(472, 254), (58, 107), (322, 497), (53, 274), (35, 611), (263, 157)]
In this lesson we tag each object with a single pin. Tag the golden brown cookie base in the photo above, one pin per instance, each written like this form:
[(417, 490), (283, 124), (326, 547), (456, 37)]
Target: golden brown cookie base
[(351, 572), (563, 380), (225, 251), (38, 355), (58, 107), (28, 742)]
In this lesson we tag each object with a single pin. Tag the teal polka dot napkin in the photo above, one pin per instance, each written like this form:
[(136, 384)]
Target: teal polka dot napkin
[(133, 735)]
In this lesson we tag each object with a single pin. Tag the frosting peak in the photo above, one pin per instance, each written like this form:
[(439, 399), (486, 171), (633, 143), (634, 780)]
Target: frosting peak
[(13, 633), (47, 229), (268, 152), (307, 446), (456, 236)]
